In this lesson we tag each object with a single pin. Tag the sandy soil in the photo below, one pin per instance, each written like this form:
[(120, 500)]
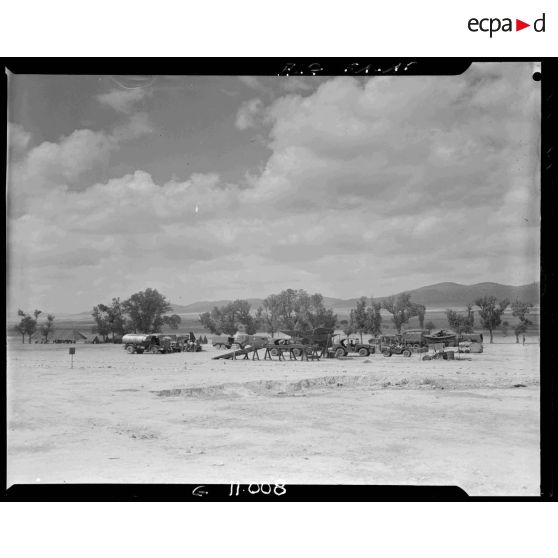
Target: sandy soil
[(186, 418)]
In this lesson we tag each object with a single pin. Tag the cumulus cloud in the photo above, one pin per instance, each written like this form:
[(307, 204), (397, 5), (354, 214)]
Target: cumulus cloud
[(253, 82), (138, 125), (18, 137), (372, 186), (124, 100), (293, 84), (249, 113), (58, 165)]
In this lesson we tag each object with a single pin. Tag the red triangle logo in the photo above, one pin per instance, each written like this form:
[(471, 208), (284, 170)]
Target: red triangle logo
[(519, 25)]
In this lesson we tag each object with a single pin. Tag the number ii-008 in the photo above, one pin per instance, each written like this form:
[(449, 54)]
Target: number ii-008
[(278, 489)]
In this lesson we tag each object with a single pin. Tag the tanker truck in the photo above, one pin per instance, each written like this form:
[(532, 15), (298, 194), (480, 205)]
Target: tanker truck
[(154, 343)]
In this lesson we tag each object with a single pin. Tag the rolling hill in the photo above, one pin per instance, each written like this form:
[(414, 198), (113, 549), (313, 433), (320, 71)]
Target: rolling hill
[(438, 296)]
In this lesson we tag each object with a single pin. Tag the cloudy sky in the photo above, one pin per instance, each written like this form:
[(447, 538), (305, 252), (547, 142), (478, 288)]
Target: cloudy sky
[(233, 187)]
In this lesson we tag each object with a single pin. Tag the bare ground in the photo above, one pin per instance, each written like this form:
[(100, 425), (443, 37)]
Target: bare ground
[(185, 418)]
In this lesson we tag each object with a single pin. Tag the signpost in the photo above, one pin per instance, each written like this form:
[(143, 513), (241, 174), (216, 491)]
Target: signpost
[(72, 351)]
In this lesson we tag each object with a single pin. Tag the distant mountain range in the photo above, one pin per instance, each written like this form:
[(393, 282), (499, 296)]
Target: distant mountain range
[(434, 297), (439, 296)]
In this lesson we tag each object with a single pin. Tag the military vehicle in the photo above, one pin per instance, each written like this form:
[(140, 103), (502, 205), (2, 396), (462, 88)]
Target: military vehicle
[(154, 343), (300, 341), (342, 347), (445, 336)]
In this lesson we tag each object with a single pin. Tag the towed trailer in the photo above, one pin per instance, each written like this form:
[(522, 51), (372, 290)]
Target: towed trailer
[(294, 351), (303, 345)]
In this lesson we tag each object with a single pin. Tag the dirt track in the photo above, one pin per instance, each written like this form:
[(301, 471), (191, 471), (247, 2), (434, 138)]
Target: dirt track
[(186, 418)]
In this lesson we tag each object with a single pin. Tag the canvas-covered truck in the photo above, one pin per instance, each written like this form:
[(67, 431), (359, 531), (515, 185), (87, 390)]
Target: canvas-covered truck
[(154, 343), (414, 338)]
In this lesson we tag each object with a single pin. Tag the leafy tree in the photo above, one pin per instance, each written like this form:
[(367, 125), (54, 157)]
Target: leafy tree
[(296, 309), (520, 310), (359, 317), (270, 315), (430, 325), (211, 321), (313, 313), (288, 309), (241, 312), (458, 322), (110, 319), (146, 310), (172, 321), (116, 318), (470, 317), (27, 325), (374, 318), (491, 312), (47, 327), (100, 315), (21, 327), (420, 311), (401, 308), (347, 327), (227, 319)]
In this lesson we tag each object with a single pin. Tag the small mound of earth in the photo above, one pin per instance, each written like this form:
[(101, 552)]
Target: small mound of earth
[(272, 388)]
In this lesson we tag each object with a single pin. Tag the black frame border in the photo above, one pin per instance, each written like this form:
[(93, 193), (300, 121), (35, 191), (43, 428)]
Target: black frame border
[(326, 66)]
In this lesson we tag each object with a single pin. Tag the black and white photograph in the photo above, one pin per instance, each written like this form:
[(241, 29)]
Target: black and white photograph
[(269, 280)]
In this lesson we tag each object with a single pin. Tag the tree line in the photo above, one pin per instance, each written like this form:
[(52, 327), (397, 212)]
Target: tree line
[(288, 310), (29, 324), (148, 311), (490, 313), (297, 310), (144, 312)]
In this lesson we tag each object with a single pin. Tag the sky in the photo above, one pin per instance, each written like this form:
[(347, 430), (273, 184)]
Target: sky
[(210, 188)]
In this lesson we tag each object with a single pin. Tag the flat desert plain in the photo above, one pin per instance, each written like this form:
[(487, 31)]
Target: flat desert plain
[(185, 418)]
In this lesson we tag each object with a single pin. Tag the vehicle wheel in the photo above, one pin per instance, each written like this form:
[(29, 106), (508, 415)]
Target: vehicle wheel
[(339, 352), (274, 352), (130, 349), (363, 352), (297, 352), (387, 353), (154, 350), (406, 353)]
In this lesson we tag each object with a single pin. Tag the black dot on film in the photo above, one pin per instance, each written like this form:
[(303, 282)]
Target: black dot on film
[(537, 76)]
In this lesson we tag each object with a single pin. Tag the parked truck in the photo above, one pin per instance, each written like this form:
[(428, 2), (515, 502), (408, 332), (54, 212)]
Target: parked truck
[(147, 343), (342, 347)]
